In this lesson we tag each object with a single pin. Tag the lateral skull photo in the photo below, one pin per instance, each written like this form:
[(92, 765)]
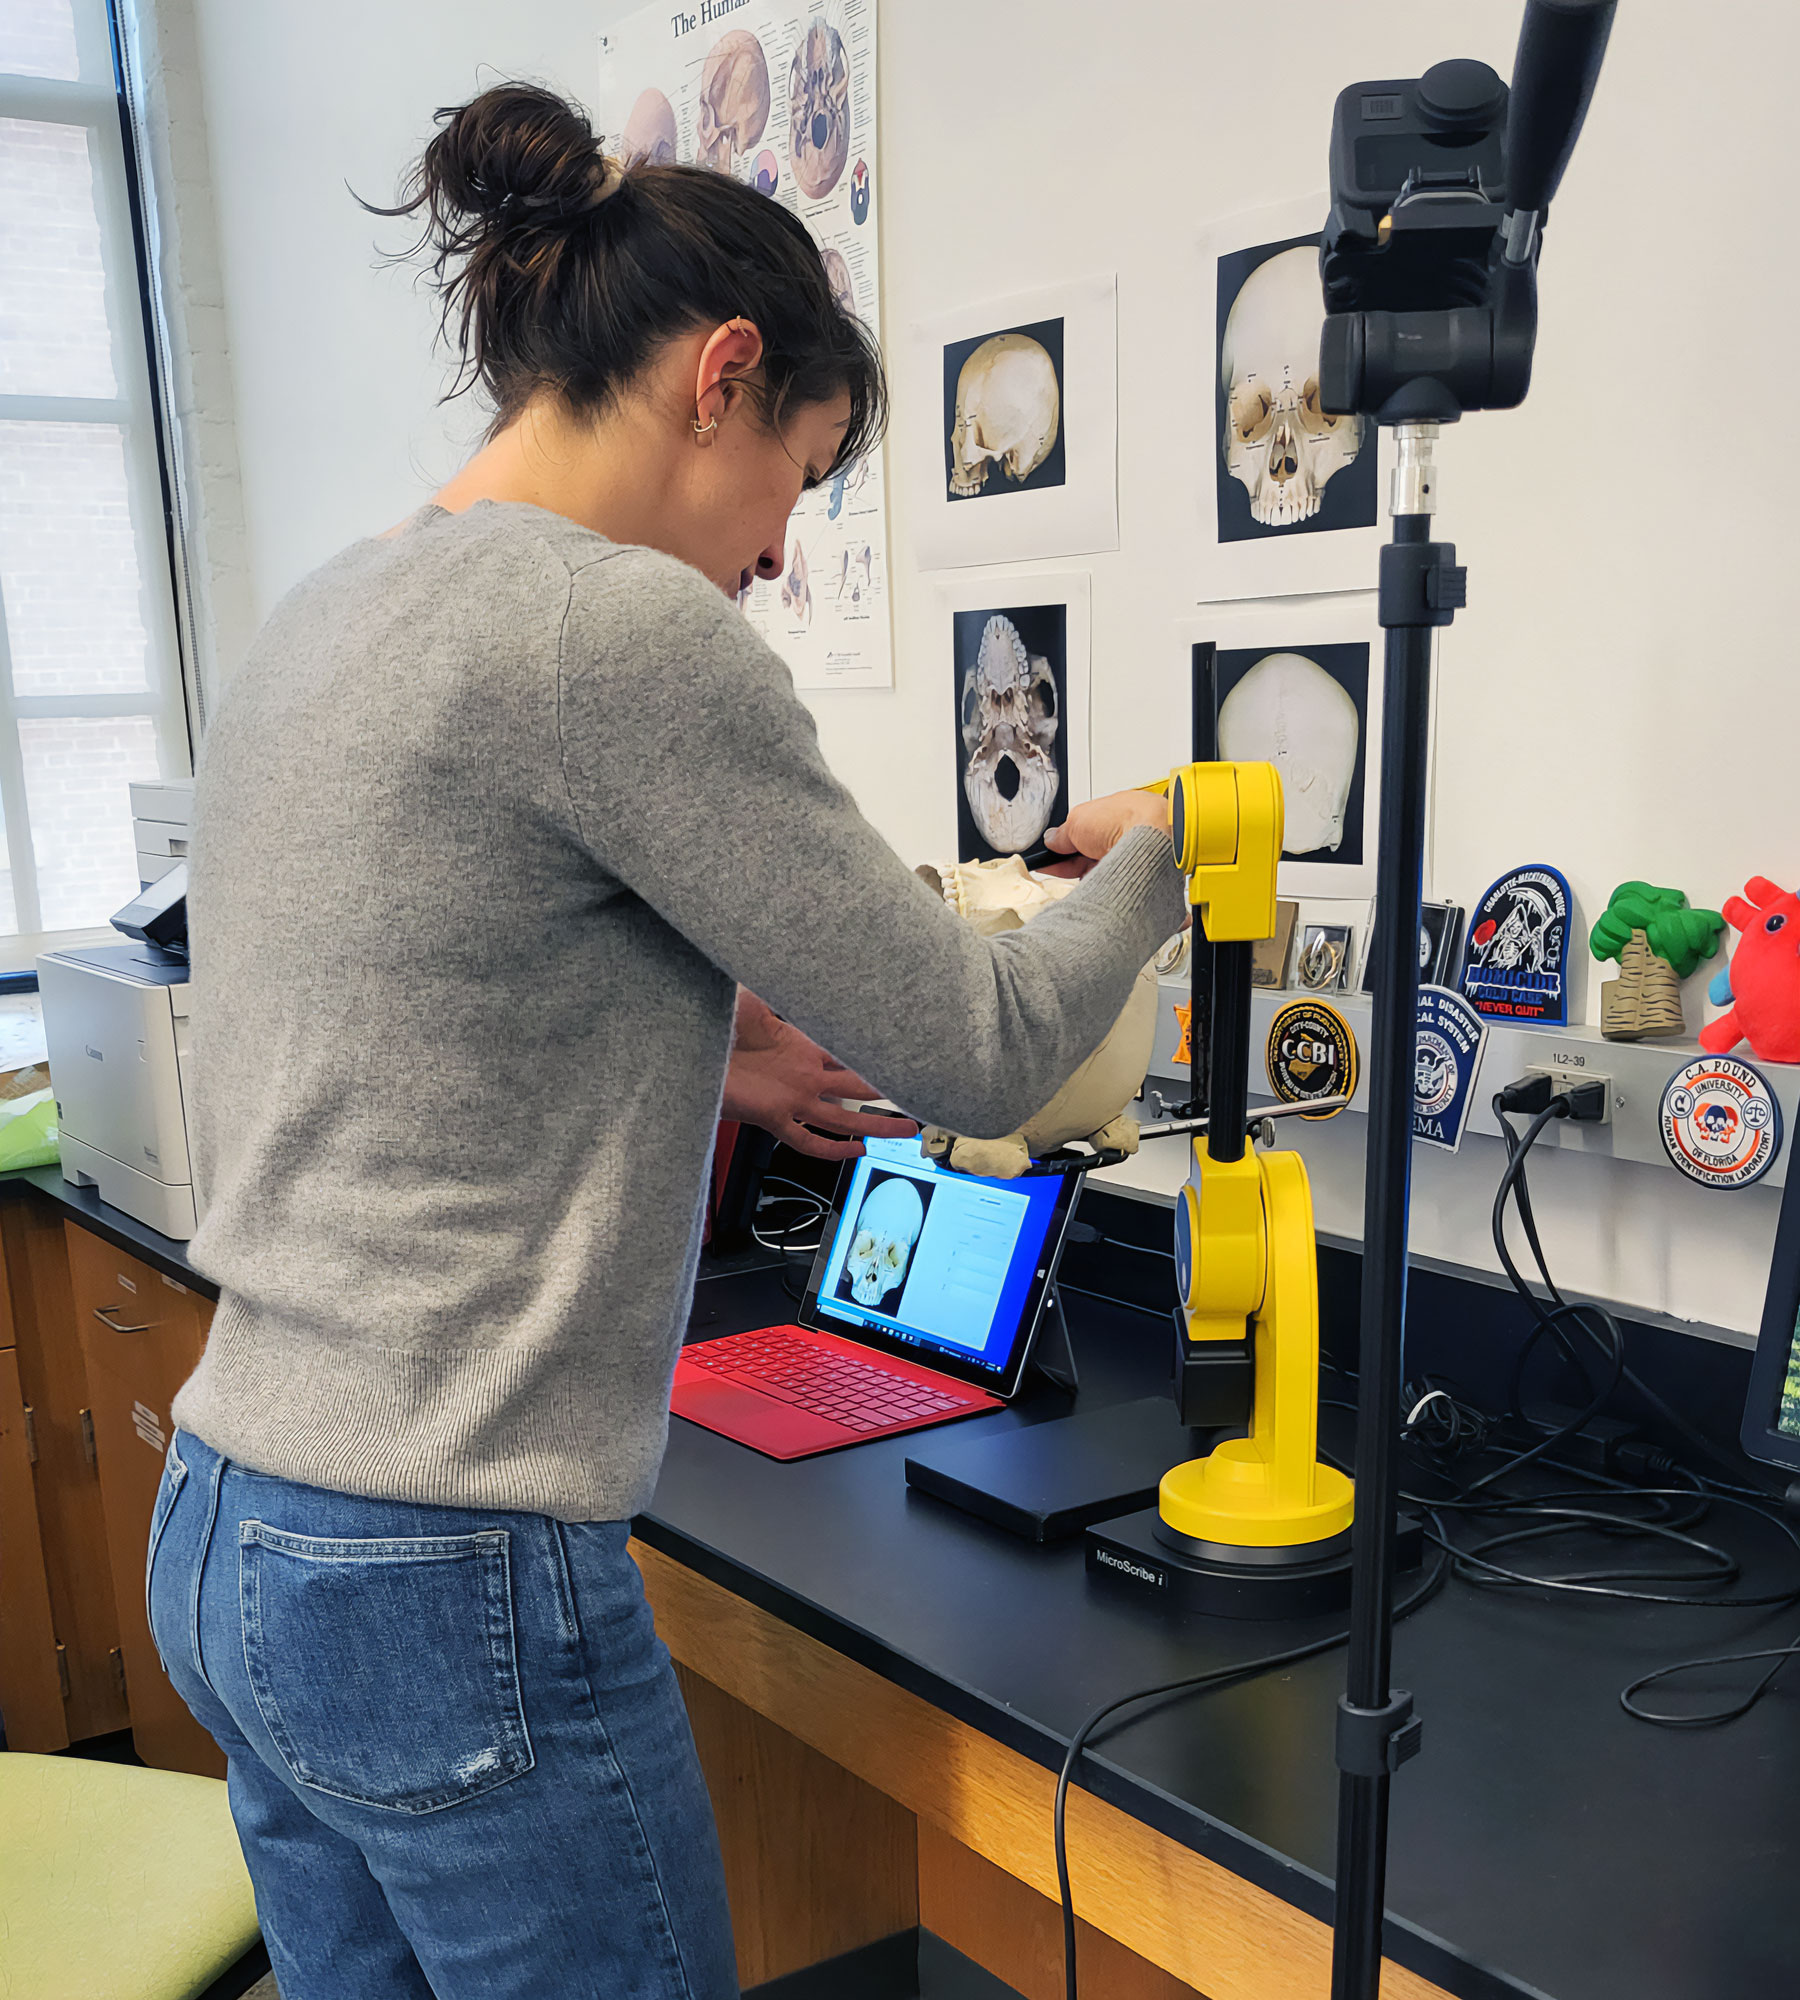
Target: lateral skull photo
[(819, 110), (887, 1227), (1003, 411), (1304, 712), (1283, 466), (650, 131), (734, 100), (1012, 753)]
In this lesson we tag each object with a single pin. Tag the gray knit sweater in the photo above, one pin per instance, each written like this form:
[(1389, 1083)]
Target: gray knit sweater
[(489, 826)]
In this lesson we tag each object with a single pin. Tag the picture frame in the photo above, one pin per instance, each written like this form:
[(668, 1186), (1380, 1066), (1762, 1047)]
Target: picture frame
[(1281, 509), (1020, 462), (1322, 957)]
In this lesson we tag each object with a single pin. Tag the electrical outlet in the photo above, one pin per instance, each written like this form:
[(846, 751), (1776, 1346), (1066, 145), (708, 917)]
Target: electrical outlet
[(1563, 1079)]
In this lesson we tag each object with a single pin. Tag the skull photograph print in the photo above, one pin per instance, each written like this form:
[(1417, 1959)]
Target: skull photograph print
[(881, 1243), (1285, 485), (1024, 460), (1003, 412), (1012, 745)]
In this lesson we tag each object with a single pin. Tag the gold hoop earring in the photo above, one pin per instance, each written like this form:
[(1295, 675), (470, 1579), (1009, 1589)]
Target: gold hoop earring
[(705, 430)]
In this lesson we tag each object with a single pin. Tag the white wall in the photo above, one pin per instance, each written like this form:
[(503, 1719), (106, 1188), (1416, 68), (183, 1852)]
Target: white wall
[(1617, 698)]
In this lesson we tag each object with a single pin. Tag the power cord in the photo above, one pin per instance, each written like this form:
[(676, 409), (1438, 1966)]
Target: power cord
[(813, 1209), (1192, 1684)]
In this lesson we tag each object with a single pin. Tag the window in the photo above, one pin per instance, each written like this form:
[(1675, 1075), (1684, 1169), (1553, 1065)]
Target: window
[(90, 680)]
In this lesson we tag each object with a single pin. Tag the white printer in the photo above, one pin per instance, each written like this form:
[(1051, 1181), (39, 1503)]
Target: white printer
[(116, 1028)]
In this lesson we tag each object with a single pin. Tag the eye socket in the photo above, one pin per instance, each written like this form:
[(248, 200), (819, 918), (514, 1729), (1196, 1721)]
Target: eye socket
[(1252, 412), (1315, 421), (1775, 923)]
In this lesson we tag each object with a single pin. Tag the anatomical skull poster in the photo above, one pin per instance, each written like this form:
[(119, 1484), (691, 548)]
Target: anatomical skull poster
[(1018, 658), (1298, 685), (1021, 461), (1287, 492), (782, 97)]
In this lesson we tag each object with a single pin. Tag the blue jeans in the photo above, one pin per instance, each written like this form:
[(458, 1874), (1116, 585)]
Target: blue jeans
[(460, 1764)]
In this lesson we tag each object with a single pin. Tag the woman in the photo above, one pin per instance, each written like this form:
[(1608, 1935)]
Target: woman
[(500, 813)]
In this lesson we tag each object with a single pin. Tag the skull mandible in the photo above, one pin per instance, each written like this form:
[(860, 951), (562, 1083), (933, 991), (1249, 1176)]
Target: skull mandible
[(886, 1231), (1289, 712), (1279, 445), (819, 110), (1009, 724), (734, 99), (1008, 409), (649, 135)]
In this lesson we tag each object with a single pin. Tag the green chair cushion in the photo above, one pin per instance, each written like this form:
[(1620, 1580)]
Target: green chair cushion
[(116, 1883)]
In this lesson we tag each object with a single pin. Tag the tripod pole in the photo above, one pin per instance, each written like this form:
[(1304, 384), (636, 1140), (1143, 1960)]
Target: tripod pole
[(1377, 1731)]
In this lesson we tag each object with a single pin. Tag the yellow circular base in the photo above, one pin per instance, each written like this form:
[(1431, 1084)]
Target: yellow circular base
[(1229, 1497)]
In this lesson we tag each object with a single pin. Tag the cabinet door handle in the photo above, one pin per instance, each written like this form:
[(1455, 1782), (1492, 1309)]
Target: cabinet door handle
[(103, 1315)]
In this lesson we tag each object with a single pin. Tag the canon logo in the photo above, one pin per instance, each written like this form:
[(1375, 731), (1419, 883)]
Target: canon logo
[(1138, 1570)]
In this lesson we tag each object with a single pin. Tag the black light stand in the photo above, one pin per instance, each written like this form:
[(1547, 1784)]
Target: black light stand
[(1439, 190)]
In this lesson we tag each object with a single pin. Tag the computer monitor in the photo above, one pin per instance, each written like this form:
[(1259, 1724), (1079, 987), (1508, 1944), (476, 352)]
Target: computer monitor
[(939, 1267), (1772, 1410)]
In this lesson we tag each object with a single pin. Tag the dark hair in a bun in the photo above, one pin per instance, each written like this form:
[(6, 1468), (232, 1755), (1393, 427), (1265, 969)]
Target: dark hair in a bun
[(561, 271)]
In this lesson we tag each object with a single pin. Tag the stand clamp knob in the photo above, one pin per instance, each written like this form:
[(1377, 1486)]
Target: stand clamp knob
[(1375, 1742)]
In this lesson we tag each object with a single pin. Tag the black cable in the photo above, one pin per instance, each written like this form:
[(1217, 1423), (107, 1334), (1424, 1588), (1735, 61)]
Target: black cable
[(1192, 1684)]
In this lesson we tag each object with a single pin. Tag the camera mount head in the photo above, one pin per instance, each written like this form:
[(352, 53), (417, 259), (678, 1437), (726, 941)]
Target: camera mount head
[(1439, 191)]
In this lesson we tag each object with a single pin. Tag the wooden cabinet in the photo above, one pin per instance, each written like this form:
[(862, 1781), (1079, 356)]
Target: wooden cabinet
[(141, 1334), (57, 1439), (30, 1682)]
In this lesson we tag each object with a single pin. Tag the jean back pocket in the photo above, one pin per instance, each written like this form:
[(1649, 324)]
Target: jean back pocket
[(385, 1671)]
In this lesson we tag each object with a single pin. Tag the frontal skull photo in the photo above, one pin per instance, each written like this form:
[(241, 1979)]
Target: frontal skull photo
[(1279, 445), (734, 99), (1010, 715), (819, 110), (892, 1215), (1007, 416)]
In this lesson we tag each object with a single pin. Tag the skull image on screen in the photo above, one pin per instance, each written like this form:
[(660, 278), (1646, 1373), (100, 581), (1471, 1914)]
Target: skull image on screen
[(1289, 712), (649, 136), (734, 99), (882, 1247), (819, 110), (1279, 445), (1008, 408), (1009, 723)]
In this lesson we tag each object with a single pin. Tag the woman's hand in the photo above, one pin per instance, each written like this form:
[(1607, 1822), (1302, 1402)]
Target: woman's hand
[(1092, 830), (788, 1086)]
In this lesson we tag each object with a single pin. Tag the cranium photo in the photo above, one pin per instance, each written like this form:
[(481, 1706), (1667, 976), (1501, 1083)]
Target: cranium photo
[(886, 1230), (819, 110), (1279, 445), (1008, 412), (1010, 714), (733, 106), (649, 136), (1289, 712)]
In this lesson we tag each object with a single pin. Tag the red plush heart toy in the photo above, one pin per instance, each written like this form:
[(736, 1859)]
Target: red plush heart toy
[(1763, 979)]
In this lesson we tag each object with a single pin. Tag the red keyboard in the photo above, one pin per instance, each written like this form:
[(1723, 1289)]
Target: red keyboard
[(790, 1391)]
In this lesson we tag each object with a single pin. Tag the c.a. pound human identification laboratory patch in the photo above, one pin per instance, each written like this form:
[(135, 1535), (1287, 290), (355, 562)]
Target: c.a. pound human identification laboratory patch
[(1311, 1053), (1517, 965), (1720, 1122)]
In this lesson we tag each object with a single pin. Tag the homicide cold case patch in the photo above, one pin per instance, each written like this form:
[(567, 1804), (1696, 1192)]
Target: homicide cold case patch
[(1720, 1122), (1517, 964), (1311, 1052), (1446, 1061)]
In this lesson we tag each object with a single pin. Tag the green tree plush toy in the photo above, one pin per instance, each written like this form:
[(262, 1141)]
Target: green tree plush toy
[(1657, 941)]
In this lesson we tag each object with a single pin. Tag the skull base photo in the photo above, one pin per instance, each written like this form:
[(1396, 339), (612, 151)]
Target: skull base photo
[(1012, 750)]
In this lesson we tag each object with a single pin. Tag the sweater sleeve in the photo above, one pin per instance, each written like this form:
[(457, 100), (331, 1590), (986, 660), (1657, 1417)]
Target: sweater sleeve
[(694, 775)]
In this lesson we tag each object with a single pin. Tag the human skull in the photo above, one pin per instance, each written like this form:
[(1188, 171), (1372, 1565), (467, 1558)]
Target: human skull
[(979, 890), (1008, 409), (1522, 941), (1279, 445), (1289, 712), (886, 1231), (1009, 724), (819, 110), (837, 276), (734, 99), (649, 135)]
